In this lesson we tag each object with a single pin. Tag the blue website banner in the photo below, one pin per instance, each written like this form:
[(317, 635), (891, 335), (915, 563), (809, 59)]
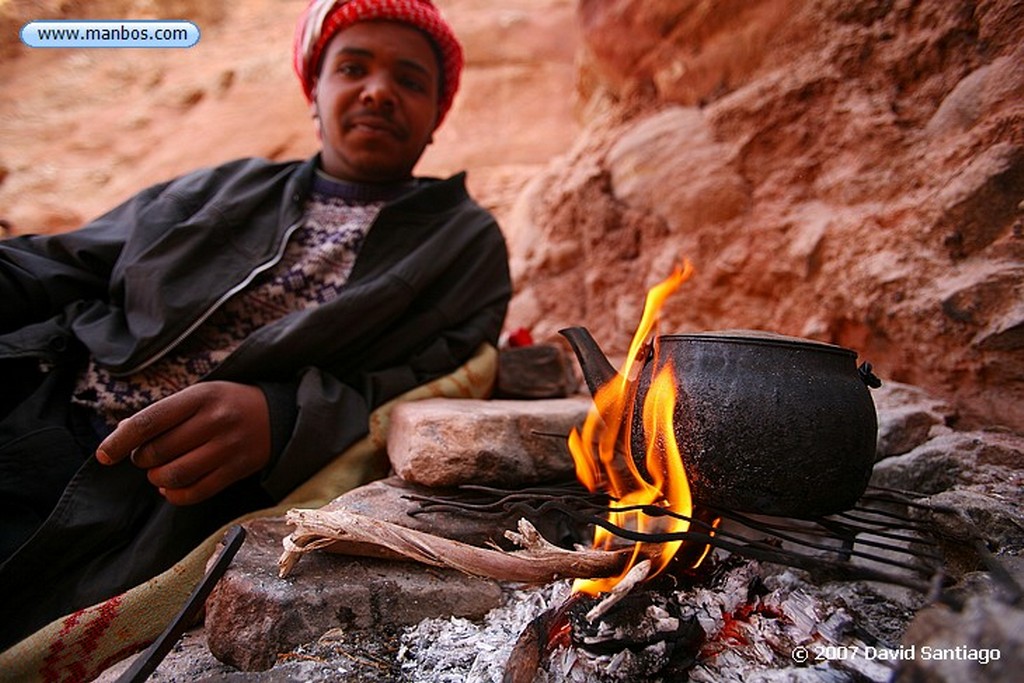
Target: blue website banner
[(170, 33)]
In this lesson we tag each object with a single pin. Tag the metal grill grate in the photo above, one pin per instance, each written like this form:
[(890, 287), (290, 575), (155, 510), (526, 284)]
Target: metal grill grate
[(887, 537)]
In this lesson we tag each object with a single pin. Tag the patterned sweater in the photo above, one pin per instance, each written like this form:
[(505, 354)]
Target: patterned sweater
[(315, 266)]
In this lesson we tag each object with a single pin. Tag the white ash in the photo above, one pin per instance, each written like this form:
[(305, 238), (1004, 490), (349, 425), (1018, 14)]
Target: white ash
[(655, 620), (458, 650), (755, 617), (760, 639), (568, 665)]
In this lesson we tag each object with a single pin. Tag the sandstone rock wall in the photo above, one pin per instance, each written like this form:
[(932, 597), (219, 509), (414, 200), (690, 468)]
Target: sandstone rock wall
[(81, 130), (846, 170)]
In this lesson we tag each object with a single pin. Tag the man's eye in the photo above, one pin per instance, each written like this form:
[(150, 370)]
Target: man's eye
[(414, 84), (351, 69)]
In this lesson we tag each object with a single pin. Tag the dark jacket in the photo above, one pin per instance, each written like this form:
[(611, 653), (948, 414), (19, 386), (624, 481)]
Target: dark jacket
[(430, 285)]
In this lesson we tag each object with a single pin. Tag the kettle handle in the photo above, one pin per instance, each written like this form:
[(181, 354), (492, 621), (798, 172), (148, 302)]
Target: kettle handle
[(867, 376)]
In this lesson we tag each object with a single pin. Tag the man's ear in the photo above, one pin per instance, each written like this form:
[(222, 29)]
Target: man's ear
[(314, 113)]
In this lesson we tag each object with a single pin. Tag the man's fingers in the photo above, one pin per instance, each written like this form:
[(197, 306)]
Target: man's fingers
[(193, 494), (195, 476), (173, 443), (145, 425), (197, 442)]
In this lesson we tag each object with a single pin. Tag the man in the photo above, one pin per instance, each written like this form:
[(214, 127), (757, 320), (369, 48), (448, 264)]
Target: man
[(211, 343)]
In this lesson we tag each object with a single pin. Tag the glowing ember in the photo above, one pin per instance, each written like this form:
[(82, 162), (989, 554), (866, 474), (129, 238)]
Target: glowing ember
[(604, 463)]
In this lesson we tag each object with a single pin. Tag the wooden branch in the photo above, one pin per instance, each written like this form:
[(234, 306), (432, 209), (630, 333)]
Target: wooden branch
[(538, 561)]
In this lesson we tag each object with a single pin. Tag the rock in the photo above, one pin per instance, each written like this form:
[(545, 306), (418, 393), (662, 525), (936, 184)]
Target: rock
[(984, 642), (651, 156), (447, 442), (932, 467), (907, 417), (979, 473), (961, 518), (685, 52), (1001, 448), (534, 372), (999, 523), (811, 192), (982, 201), (978, 94), (252, 615)]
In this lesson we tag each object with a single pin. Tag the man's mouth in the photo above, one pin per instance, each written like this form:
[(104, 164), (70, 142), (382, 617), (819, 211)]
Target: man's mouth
[(374, 125)]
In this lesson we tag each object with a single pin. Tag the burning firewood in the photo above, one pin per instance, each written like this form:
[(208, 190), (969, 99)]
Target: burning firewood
[(539, 561)]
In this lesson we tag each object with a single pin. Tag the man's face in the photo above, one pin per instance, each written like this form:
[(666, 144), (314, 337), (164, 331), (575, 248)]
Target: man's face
[(377, 101)]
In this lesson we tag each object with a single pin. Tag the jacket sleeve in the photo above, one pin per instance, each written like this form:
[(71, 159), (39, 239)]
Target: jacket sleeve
[(328, 415), (332, 414), (41, 274)]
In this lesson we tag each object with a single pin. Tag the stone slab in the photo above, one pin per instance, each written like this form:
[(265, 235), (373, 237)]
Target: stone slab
[(253, 615), (449, 442)]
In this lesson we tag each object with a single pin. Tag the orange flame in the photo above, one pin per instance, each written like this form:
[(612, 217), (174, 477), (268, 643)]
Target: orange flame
[(604, 463)]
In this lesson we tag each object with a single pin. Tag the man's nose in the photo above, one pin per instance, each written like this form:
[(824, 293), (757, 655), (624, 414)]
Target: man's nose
[(378, 93)]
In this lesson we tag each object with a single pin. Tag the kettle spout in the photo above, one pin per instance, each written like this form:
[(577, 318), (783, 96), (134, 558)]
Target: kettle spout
[(597, 371)]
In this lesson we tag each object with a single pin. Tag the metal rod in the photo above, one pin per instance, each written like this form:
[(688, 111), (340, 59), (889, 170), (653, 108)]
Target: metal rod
[(669, 537), (778, 532), (146, 663)]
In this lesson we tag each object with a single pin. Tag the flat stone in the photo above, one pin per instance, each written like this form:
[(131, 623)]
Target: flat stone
[(987, 459), (907, 417), (449, 442), (930, 468), (961, 516), (253, 615), (998, 521)]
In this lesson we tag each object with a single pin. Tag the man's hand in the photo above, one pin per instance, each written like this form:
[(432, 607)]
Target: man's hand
[(197, 442)]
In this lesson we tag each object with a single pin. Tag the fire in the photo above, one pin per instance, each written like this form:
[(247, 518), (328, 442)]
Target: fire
[(604, 463)]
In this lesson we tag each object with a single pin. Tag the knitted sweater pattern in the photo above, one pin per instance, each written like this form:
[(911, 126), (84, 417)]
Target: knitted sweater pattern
[(316, 264)]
